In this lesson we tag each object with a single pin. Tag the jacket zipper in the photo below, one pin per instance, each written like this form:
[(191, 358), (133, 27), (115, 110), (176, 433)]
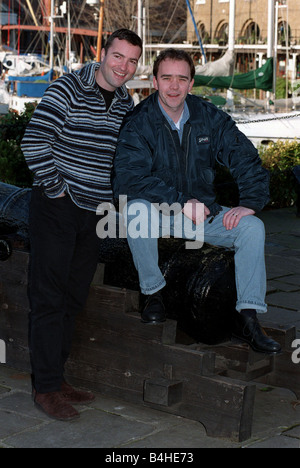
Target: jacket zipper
[(178, 161), (187, 153)]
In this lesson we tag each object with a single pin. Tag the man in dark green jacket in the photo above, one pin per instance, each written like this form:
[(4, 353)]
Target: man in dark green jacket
[(166, 157)]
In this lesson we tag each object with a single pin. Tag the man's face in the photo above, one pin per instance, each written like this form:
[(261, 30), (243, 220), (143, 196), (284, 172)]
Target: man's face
[(173, 84), (118, 65)]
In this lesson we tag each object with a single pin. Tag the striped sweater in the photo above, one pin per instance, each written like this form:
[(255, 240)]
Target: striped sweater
[(71, 139)]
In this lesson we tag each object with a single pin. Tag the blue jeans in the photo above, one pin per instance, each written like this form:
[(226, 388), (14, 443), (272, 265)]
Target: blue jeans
[(247, 240)]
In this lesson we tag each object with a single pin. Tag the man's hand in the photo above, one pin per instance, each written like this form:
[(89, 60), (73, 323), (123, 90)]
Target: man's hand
[(61, 195), (232, 217), (196, 211)]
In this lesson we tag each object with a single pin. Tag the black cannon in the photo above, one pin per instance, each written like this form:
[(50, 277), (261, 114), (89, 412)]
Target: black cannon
[(200, 293), (14, 203)]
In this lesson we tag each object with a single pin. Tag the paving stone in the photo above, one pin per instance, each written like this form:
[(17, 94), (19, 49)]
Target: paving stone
[(21, 403), (289, 300), (294, 432), (188, 433), (12, 423), (282, 285), (281, 316), (278, 268), (277, 442), (4, 390), (273, 409), (95, 429), (291, 279)]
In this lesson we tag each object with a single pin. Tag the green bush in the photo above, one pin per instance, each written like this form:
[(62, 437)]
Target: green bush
[(281, 88), (13, 167), (280, 158)]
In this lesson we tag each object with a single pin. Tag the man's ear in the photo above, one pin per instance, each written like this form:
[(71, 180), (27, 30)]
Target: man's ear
[(102, 55), (191, 85), (155, 84)]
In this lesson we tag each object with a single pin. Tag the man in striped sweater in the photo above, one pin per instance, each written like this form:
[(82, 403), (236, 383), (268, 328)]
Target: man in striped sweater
[(69, 145)]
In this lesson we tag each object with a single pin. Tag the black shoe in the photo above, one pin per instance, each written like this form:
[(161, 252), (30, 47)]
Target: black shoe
[(248, 329), (154, 310)]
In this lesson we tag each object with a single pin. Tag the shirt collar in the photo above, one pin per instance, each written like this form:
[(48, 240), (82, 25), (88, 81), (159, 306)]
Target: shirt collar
[(185, 116)]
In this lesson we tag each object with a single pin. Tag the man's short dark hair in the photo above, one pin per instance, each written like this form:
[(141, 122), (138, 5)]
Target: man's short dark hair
[(124, 35), (174, 54)]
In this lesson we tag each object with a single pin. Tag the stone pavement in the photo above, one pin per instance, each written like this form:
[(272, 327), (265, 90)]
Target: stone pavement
[(113, 424)]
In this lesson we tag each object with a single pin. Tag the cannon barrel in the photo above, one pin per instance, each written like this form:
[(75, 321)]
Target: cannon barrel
[(200, 293), (14, 208)]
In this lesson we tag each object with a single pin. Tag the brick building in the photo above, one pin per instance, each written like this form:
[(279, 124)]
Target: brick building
[(251, 31)]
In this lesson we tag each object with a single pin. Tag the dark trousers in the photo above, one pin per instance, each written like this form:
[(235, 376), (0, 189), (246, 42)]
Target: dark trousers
[(64, 253)]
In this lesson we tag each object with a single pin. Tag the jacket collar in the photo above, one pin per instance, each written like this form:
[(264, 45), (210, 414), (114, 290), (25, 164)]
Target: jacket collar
[(194, 113)]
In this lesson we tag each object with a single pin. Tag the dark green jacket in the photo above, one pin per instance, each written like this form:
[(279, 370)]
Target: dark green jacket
[(151, 164)]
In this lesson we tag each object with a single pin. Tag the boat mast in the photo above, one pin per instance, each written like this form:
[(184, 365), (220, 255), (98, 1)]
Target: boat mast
[(1, 23), (100, 30), (51, 19), (53, 16), (196, 30), (270, 50), (141, 26), (32, 12), (231, 41)]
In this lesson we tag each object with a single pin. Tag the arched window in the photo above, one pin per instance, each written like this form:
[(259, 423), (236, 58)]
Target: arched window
[(221, 34), (203, 33), (251, 32), (284, 32)]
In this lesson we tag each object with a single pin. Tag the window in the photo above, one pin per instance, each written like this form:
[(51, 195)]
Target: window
[(200, 2)]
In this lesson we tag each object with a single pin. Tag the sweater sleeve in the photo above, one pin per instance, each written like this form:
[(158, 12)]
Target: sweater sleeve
[(41, 133)]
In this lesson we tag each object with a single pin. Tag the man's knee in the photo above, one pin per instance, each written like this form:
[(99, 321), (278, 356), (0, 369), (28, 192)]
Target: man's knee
[(253, 226)]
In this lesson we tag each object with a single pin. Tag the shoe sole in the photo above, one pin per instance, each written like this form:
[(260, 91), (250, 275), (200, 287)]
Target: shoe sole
[(270, 353), (154, 322)]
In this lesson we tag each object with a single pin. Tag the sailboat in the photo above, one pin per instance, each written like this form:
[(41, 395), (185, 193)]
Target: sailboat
[(28, 76)]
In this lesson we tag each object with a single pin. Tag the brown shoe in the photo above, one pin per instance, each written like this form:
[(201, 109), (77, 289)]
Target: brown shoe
[(76, 397), (55, 406)]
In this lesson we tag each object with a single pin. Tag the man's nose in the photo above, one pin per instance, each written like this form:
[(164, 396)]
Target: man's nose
[(124, 65), (174, 83)]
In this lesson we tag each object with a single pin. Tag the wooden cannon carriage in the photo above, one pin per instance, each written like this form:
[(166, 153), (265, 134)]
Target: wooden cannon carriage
[(186, 366)]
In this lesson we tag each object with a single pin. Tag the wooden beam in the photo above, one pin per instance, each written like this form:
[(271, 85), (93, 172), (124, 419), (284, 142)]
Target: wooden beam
[(58, 29)]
